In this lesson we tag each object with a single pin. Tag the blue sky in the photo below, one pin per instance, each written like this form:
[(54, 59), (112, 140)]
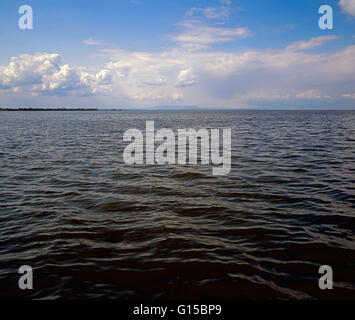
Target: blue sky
[(210, 53)]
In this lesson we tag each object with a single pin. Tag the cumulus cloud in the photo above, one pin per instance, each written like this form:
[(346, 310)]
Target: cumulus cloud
[(26, 69), (185, 78), (121, 67), (104, 77), (44, 73), (348, 6)]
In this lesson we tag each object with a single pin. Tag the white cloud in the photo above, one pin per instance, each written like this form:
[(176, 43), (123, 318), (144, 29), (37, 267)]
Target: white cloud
[(311, 43), (210, 12), (216, 13), (196, 33), (122, 68), (146, 95), (64, 78), (228, 2), (104, 77), (28, 69), (92, 42), (348, 6), (43, 73), (309, 94), (186, 78), (177, 96)]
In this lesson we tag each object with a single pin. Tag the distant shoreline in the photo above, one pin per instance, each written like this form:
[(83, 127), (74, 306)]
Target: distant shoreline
[(49, 109), (163, 109)]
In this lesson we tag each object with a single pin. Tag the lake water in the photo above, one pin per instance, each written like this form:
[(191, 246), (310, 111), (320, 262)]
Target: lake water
[(91, 226)]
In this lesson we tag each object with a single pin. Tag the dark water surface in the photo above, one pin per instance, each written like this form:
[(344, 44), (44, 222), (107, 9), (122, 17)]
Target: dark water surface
[(93, 227)]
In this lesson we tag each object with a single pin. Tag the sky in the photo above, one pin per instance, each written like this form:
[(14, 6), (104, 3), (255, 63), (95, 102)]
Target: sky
[(206, 53)]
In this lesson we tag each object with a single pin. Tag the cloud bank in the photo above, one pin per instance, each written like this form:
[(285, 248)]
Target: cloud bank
[(205, 78)]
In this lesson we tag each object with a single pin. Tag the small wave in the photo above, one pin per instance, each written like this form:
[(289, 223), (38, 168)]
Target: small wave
[(190, 175)]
